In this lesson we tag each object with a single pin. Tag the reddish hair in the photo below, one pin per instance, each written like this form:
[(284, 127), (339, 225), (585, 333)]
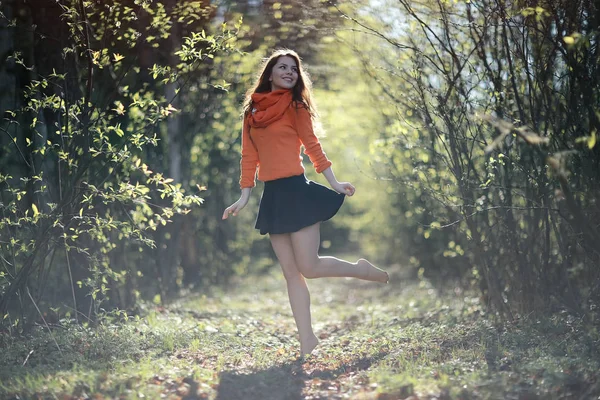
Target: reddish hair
[(301, 92)]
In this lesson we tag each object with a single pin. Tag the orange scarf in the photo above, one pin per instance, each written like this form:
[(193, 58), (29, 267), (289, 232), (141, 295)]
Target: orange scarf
[(269, 107)]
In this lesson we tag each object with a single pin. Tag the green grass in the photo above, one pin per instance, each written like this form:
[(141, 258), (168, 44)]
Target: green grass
[(377, 342)]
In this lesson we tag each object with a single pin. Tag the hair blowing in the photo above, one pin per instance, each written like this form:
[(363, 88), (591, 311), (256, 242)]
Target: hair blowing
[(301, 92)]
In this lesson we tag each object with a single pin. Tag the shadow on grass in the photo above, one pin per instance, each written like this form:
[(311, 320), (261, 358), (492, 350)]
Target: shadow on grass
[(278, 382), (285, 381)]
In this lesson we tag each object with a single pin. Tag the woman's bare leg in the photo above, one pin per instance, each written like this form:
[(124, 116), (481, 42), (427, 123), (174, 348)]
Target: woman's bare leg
[(305, 244), (297, 291)]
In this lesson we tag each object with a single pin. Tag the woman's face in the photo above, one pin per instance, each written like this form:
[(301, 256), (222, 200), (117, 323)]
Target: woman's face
[(284, 74)]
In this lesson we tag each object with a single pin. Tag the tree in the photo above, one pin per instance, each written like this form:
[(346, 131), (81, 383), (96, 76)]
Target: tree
[(76, 183), (494, 145)]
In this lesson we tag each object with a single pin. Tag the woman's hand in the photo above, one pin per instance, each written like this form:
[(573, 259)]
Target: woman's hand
[(340, 187), (236, 207), (344, 188)]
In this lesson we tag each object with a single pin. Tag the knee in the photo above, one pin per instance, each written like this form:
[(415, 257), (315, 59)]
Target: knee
[(292, 275), (290, 271), (308, 270)]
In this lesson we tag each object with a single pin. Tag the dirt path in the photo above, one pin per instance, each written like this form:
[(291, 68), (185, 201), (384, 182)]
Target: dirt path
[(346, 315), (397, 341)]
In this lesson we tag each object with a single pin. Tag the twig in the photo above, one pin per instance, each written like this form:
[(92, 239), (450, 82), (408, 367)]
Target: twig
[(27, 358), (7, 262), (374, 31), (489, 209), (71, 279), (78, 312), (16, 145), (88, 93), (43, 319)]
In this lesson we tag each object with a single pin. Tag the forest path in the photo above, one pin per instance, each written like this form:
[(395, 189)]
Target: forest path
[(397, 341)]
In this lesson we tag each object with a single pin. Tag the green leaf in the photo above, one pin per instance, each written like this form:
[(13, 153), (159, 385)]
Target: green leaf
[(591, 142), (35, 210), (120, 108)]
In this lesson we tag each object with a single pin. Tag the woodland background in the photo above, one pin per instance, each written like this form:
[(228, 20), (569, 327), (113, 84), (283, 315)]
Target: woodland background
[(468, 127)]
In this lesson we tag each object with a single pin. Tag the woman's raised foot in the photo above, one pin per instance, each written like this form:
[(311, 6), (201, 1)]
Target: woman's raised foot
[(369, 272)]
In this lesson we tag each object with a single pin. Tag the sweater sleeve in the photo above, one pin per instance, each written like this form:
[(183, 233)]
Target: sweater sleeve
[(249, 161), (312, 146)]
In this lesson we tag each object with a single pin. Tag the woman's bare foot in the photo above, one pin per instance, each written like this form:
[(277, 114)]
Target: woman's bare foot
[(370, 272), (307, 347)]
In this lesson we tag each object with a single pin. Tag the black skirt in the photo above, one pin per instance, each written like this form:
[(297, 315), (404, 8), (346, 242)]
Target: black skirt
[(290, 204)]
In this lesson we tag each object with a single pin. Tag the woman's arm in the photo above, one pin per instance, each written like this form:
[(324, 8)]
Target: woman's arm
[(340, 187), (238, 205), (312, 146), (249, 160)]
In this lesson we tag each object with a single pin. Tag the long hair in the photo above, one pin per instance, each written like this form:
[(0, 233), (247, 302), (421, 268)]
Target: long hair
[(301, 92)]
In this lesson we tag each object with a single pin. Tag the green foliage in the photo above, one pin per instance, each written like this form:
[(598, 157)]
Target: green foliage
[(397, 342), (491, 143), (80, 184)]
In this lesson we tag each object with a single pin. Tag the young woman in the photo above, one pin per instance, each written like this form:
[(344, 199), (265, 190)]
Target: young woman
[(278, 119)]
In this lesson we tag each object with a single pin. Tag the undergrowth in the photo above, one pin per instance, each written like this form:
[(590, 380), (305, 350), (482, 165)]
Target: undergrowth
[(399, 341)]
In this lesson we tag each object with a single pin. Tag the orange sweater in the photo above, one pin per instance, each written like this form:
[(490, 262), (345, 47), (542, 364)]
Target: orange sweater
[(274, 147)]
